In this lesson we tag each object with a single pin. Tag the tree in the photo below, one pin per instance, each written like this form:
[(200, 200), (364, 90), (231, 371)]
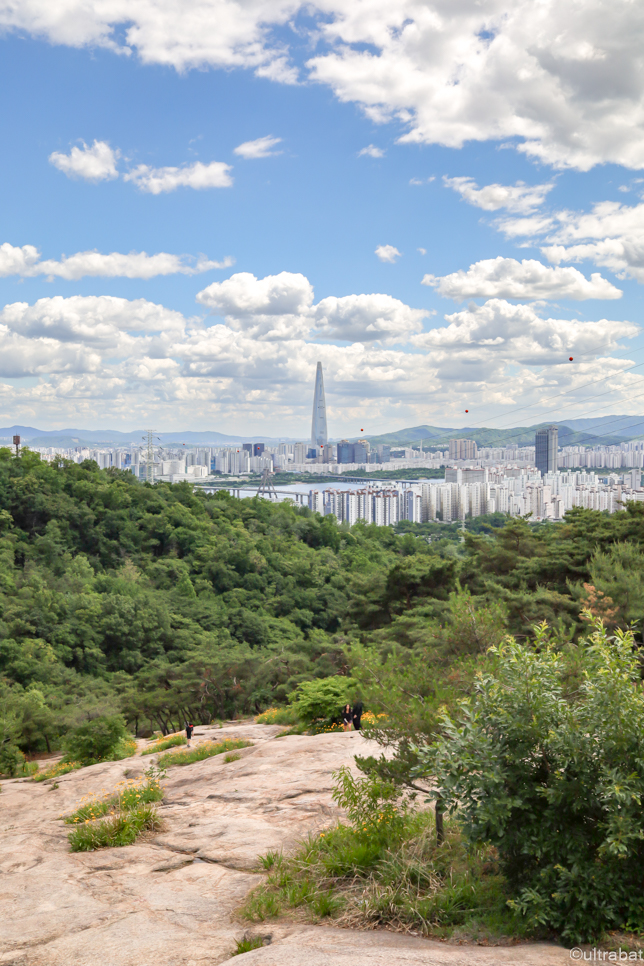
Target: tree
[(96, 740), (554, 782)]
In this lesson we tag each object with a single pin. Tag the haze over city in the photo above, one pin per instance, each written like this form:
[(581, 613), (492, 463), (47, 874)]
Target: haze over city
[(198, 209)]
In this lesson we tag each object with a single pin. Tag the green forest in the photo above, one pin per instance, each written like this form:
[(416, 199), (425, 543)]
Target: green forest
[(501, 666), (164, 604)]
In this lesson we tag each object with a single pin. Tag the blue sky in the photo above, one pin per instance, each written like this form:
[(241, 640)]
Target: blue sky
[(321, 247)]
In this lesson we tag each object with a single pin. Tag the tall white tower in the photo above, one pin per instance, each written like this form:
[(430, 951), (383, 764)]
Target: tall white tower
[(318, 423)]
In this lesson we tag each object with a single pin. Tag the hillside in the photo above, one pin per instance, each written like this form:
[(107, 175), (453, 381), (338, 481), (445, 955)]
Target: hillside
[(437, 437)]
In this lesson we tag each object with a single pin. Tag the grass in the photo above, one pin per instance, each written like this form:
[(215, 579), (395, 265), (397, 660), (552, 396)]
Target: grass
[(393, 876), (232, 757), (279, 716), (127, 796), (201, 752), (62, 768), (162, 744), (130, 812), (246, 944), (123, 828)]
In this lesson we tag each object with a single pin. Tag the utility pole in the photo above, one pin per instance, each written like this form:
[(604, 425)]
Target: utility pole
[(149, 460), (266, 487)]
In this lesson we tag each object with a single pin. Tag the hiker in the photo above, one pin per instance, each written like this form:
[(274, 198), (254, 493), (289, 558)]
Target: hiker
[(357, 714), (189, 729), (347, 717)]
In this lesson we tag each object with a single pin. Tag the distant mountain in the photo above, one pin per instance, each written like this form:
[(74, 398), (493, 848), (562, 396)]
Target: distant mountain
[(68, 438), (591, 433)]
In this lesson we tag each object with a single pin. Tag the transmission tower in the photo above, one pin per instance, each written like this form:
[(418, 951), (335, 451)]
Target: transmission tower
[(266, 487), (149, 458)]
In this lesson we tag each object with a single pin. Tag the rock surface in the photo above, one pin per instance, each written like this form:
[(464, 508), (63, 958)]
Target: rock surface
[(169, 901)]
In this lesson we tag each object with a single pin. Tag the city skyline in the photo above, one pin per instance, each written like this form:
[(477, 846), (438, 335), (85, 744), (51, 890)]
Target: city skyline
[(197, 211)]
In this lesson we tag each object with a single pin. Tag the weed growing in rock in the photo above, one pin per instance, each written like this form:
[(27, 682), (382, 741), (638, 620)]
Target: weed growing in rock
[(162, 744), (246, 944), (201, 752), (233, 757), (130, 812), (123, 828), (127, 795), (62, 768), (385, 869)]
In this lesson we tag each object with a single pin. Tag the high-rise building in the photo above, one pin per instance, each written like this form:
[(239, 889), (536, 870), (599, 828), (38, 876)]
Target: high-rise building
[(318, 424), (462, 449), (546, 449)]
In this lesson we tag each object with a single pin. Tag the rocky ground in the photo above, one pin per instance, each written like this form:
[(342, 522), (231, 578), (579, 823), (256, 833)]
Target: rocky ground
[(170, 901)]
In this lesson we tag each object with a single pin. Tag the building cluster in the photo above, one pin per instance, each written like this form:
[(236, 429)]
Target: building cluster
[(466, 493)]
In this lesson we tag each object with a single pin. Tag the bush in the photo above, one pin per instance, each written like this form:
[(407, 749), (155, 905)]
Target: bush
[(321, 701), (98, 740), (12, 760), (555, 783), (127, 796), (279, 716)]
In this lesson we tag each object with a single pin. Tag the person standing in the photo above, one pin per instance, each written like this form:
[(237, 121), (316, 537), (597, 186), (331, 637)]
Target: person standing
[(357, 714), (189, 729), (347, 717)]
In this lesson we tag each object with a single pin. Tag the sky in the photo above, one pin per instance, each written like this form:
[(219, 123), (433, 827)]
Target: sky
[(443, 202)]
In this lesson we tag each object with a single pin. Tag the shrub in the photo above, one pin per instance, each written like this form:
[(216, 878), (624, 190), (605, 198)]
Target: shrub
[(171, 741), (387, 872), (100, 739), (555, 783), (321, 700), (12, 760), (279, 716), (201, 752)]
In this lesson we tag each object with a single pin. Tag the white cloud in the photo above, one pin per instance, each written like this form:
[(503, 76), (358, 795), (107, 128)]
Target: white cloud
[(260, 148), (387, 253), (26, 261), (529, 279), (97, 163), (611, 235), (517, 332), (196, 175), (367, 318), (519, 198), (276, 307), (562, 81), (371, 151)]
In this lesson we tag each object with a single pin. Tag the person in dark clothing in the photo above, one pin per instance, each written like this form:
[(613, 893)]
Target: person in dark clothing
[(357, 714), (189, 729), (347, 717)]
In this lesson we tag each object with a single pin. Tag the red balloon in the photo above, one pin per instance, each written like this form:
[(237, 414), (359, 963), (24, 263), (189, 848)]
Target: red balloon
[(569, 358), (467, 410)]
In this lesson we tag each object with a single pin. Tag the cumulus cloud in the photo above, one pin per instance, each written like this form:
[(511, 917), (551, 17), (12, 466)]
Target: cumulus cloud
[(260, 148), (506, 331), (387, 253), (276, 307), (561, 81), (528, 279), (367, 318), (520, 197), (111, 357), (371, 151), (216, 174), (95, 163), (27, 261)]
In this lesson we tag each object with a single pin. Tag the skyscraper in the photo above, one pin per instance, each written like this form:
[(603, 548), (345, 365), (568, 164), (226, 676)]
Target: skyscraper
[(318, 424), (546, 449)]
